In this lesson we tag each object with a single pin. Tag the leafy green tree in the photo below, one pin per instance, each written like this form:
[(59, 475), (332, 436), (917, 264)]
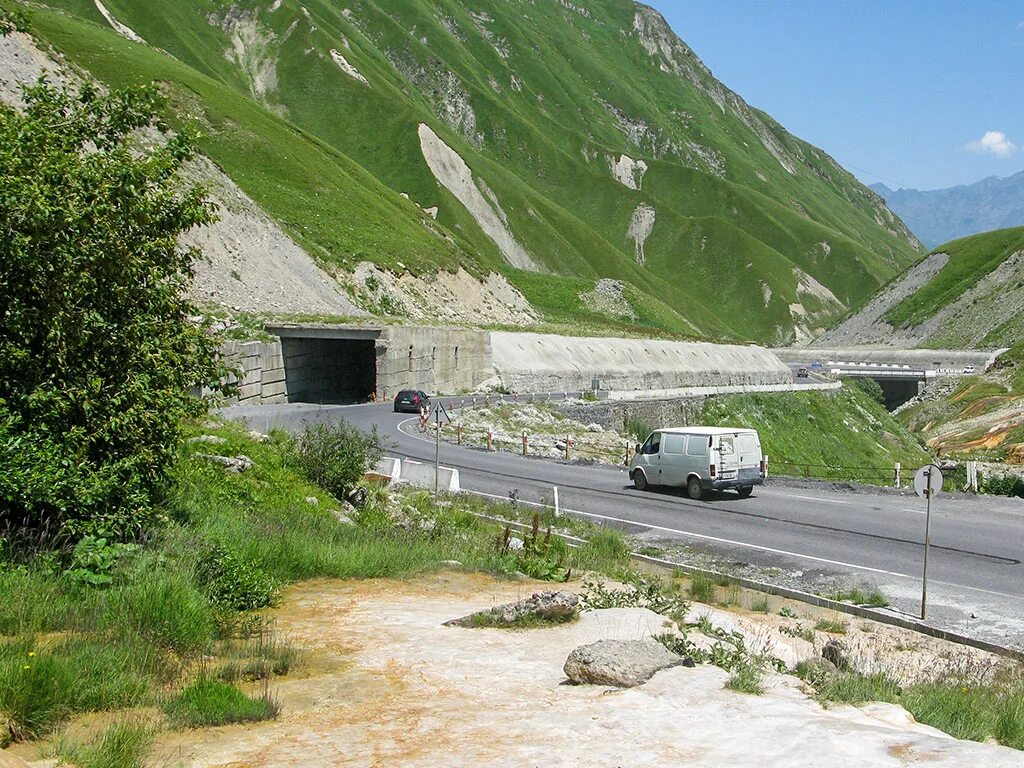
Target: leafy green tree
[(97, 354)]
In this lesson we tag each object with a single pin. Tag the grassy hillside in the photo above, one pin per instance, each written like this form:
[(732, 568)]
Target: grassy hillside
[(842, 435), (970, 260), (314, 110)]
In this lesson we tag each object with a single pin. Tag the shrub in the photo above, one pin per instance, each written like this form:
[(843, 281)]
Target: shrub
[(97, 357), (747, 678), (336, 456), (208, 702), (871, 388), (702, 588), (235, 583), (1004, 485)]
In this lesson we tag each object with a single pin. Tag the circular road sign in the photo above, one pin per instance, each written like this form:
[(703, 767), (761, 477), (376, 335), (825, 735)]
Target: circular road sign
[(927, 481)]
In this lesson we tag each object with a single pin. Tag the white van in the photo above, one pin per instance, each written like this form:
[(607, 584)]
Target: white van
[(700, 459)]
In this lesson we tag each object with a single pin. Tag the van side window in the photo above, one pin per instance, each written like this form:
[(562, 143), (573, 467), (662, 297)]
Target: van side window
[(653, 444), (674, 443), (697, 445)]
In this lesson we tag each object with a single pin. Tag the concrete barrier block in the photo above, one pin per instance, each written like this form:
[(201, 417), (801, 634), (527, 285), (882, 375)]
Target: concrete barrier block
[(389, 467), (422, 475)]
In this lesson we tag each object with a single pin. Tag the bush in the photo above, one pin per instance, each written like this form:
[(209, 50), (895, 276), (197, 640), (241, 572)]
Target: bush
[(336, 456), (1004, 485), (871, 388), (209, 702), (97, 357), (235, 583)]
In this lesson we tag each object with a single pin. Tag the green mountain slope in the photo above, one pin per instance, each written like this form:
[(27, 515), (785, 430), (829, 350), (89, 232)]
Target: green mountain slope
[(968, 293), (572, 141)]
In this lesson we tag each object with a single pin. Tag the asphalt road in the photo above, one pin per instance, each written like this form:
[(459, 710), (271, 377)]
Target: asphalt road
[(804, 538)]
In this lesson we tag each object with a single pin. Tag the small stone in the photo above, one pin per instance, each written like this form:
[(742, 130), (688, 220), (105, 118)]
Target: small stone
[(312, 501), (259, 437), (594, 427), (515, 543), (454, 564)]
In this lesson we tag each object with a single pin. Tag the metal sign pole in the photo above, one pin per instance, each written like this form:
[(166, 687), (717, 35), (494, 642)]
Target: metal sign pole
[(927, 544)]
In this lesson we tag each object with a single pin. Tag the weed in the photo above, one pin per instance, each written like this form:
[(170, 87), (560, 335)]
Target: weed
[(529, 621), (208, 702), (761, 604), (832, 626), (702, 588), (787, 613), (731, 597), (747, 678), (799, 630), (869, 595)]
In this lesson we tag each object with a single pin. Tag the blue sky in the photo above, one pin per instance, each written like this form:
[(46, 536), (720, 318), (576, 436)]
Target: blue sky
[(908, 93)]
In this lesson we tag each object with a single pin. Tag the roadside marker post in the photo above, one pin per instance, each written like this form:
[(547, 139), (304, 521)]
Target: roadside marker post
[(927, 483), (898, 467), (490, 437), (526, 443), (439, 409), (557, 511)]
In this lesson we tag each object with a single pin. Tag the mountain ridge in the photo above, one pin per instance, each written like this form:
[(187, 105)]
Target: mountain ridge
[(632, 164), (938, 216)]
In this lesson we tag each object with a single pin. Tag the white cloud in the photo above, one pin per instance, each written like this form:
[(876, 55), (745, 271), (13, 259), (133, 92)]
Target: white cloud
[(993, 143)]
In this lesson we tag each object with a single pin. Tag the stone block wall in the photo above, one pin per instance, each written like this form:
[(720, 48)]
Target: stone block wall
[(446, 360)]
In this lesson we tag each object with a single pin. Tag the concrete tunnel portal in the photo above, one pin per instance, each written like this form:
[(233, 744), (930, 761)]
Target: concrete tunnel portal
[(335, 364)]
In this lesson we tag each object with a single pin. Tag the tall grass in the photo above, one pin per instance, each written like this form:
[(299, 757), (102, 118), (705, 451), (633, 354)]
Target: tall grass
[(122, 745), (208, 702)]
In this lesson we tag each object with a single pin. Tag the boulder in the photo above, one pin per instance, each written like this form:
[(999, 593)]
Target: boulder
[(837, 653), (553, 607), (234, 464), (620, 663)]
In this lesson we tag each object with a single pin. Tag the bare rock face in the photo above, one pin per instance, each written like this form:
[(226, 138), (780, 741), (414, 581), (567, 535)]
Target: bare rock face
[(620, 663), (550, 607)]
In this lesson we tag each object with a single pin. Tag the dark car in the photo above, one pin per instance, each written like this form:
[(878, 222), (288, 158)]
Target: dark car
[(411, 400)]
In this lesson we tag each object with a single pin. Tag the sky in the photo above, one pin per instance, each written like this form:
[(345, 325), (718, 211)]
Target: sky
[(924, 94)]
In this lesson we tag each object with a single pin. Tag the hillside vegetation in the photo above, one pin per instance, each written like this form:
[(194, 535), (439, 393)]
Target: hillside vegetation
[(555, 145), (966, 294)]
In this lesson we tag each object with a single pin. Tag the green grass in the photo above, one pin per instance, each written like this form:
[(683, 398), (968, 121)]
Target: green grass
[(962, 708), (843, 435), (832, 626), (124, 744), (869, 596), (970, 259), (761, 604), (206, 703), (489, 620)]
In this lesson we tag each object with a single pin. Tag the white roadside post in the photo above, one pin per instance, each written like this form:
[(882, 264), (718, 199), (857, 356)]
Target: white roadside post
[(557, 512), (927, 483)]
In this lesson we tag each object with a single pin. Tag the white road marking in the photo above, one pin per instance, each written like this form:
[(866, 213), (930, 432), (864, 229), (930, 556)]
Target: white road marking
[(744, 544)]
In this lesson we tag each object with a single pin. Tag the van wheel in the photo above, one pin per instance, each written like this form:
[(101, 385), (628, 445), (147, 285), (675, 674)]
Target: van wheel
[(640, 480), (694, 488), (745, 491)]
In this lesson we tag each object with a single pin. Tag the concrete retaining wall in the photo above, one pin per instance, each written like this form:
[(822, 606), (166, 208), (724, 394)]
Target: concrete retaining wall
[(351, 364), (533, 362), (445, 360)]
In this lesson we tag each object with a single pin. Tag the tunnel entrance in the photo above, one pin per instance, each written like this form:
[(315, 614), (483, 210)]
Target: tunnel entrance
[(898, 391), (329, 364)]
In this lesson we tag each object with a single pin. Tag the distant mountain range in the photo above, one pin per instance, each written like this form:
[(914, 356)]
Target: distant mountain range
[(939, 215)]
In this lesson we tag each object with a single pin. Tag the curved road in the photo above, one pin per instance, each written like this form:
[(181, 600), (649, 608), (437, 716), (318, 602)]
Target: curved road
[(801, 538)]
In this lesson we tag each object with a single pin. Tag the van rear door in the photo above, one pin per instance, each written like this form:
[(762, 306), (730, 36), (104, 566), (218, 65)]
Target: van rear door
[(728, 464), (748, 456)]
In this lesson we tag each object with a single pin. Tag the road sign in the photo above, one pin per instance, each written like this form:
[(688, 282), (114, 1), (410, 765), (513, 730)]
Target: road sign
[(928, 481)]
